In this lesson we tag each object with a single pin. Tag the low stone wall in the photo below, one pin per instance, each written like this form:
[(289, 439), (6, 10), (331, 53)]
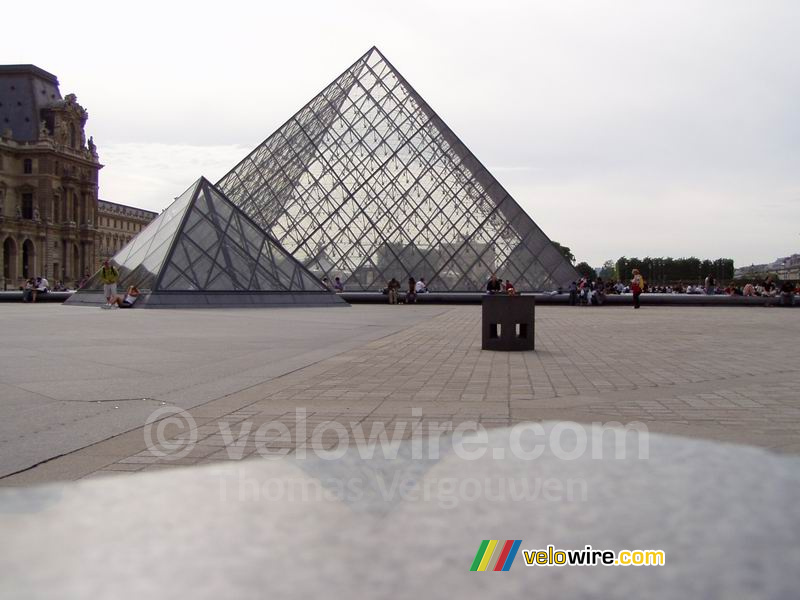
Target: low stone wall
[(476, 298), (611, 300), (48, 297)]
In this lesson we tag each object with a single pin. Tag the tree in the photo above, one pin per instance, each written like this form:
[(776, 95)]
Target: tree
[(585, 270), (565, 252), (609, 270), (675, 270)]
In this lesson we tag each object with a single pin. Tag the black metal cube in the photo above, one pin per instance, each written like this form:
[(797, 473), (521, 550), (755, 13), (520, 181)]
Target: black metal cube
[(508, 322)]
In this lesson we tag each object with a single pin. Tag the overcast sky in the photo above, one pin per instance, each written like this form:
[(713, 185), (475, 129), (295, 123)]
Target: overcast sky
[(623, 128)]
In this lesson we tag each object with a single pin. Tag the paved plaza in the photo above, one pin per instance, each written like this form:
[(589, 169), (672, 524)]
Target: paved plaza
[(75, 405)]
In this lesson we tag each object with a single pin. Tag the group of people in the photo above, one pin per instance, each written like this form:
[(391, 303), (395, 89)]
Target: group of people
[(414, 288), (594, 291), (495, 285), (337, 286), (34, 287), (588, 291), (109, 276)]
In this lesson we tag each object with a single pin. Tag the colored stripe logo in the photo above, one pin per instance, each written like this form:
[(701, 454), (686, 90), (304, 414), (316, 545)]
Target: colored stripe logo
[(507, 553)]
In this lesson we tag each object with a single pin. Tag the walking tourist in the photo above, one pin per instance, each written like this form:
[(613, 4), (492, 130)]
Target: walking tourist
[(637, 286), (109, 276)]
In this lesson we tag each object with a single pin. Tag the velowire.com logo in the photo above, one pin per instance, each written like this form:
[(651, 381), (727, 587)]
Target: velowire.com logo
[(508, 552)]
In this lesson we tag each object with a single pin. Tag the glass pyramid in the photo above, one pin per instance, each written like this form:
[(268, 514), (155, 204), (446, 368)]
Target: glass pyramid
[(366, 182), (203, 250)]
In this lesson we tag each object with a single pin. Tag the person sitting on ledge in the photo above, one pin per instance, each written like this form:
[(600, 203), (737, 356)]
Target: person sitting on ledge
[(125, 302), (421, 287), (493, 285), (787, 294), (40, 287), (411, 295), (393, 288), (27, 291), (510, 288)]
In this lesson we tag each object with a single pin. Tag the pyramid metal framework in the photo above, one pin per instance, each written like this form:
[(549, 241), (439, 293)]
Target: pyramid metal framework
[(202, 250), (366, 182)]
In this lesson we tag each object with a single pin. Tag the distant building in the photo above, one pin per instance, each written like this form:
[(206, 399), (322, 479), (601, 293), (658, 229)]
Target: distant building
[(787, 268), (117, 224), (48, 179), (48, 183)]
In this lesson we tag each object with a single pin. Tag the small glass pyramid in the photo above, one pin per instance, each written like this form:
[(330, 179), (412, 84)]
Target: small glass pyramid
[(204, 251), (366, 182)]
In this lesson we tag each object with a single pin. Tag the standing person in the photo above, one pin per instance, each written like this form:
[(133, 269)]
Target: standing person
[(637, 286), (338, 286), (584, 286), (411, 295), (573, 293), (394, 287), (710, 285), (109, 276)]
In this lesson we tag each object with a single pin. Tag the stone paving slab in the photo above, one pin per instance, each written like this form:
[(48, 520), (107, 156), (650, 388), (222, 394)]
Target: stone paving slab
[(727, 375), (73, 376)]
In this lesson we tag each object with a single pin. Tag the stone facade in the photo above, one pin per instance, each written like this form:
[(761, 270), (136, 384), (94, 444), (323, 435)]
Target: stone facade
[(117, 224), (48, 180), (785, 267)]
